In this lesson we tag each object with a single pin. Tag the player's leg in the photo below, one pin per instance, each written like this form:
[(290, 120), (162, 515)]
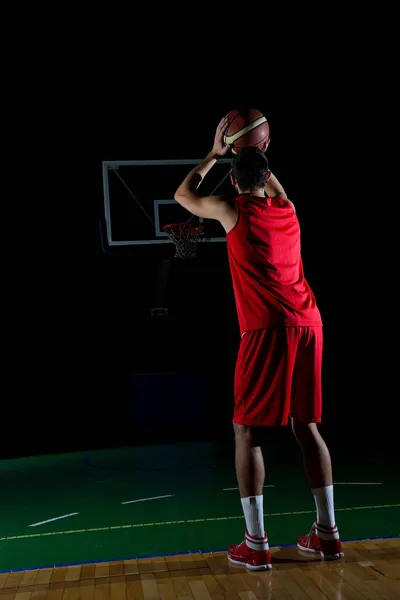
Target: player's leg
[(254, 551), (249, 461), (260, 382), (316, 457), (306, 409)]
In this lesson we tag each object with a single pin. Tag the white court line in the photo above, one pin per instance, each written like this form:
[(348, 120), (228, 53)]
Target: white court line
[(355, 483), (55, 519), (229, 489), (336, 483), (145, 499)]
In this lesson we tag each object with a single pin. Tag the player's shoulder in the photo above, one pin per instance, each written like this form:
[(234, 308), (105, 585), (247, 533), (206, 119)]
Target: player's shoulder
[(290, 204), (281, 202)]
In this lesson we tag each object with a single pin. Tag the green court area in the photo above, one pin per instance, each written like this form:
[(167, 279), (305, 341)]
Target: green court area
[(158, 500)]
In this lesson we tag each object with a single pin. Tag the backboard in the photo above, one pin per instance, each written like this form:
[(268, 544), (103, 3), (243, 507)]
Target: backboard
[(139, 199)]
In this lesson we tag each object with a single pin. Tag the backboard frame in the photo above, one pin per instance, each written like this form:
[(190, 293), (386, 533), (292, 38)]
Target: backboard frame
[(162, 238)]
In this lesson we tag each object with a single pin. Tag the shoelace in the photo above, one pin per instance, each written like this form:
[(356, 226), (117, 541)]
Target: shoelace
[(312, 530)]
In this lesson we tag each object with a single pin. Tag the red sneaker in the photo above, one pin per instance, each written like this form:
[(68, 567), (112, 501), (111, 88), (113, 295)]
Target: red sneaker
[(323, 540), (254, 560)]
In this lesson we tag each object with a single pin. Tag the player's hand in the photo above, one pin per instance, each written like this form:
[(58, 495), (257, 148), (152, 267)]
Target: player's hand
[(219, 146), (267, 143)]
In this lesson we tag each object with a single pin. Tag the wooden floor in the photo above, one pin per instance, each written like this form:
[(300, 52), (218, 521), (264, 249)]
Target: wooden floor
[(369, 571)]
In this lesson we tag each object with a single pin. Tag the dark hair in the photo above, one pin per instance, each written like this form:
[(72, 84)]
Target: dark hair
[(250, 168)]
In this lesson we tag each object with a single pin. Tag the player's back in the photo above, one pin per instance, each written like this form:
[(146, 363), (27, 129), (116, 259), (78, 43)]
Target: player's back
[(266, 266)]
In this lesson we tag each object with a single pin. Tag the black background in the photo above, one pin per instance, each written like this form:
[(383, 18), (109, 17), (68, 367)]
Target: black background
[(83, 326)]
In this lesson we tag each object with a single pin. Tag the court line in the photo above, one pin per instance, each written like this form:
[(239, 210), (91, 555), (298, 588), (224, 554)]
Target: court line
[(55, 519), (185, 522), (236, 488), (145, 499), (335, 483)]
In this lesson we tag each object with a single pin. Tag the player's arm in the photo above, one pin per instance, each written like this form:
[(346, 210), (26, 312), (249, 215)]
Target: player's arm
[(274, 188), (187, 195), (208, 207)]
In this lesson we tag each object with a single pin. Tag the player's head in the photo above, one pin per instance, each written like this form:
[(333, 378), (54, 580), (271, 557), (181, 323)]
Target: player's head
[(249, 170)]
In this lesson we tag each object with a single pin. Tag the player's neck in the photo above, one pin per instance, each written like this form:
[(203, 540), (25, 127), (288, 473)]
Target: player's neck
[(259, 192)]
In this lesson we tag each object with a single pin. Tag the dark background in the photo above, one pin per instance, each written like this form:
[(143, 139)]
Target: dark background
[(85, 329)]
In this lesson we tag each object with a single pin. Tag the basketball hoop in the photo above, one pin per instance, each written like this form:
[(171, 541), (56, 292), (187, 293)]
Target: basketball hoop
[(185, 237)]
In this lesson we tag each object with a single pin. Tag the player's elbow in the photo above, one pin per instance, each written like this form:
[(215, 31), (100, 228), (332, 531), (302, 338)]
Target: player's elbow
[(179, 196), (184, 200)]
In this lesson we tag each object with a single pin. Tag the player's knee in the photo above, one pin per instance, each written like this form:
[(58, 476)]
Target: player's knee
[(305, 433), (245, 434), (241, 431)]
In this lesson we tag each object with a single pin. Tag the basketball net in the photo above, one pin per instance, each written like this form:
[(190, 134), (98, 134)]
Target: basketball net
[(185, 237)]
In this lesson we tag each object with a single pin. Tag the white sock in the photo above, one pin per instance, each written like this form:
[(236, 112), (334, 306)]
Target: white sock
[(325, 511), (256, 538)]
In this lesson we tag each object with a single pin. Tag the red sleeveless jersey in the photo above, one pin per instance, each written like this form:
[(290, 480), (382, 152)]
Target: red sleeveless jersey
[(266, 266)]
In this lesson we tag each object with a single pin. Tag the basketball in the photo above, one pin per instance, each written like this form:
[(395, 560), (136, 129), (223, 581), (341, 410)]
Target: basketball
[(246, 128)]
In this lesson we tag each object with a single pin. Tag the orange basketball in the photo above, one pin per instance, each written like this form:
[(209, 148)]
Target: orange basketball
[(246, 128)]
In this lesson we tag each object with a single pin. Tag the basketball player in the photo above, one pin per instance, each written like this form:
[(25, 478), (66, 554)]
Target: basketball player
[(278, 370)]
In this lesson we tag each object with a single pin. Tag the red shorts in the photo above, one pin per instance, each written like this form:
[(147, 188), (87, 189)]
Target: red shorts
[(278, 374)]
